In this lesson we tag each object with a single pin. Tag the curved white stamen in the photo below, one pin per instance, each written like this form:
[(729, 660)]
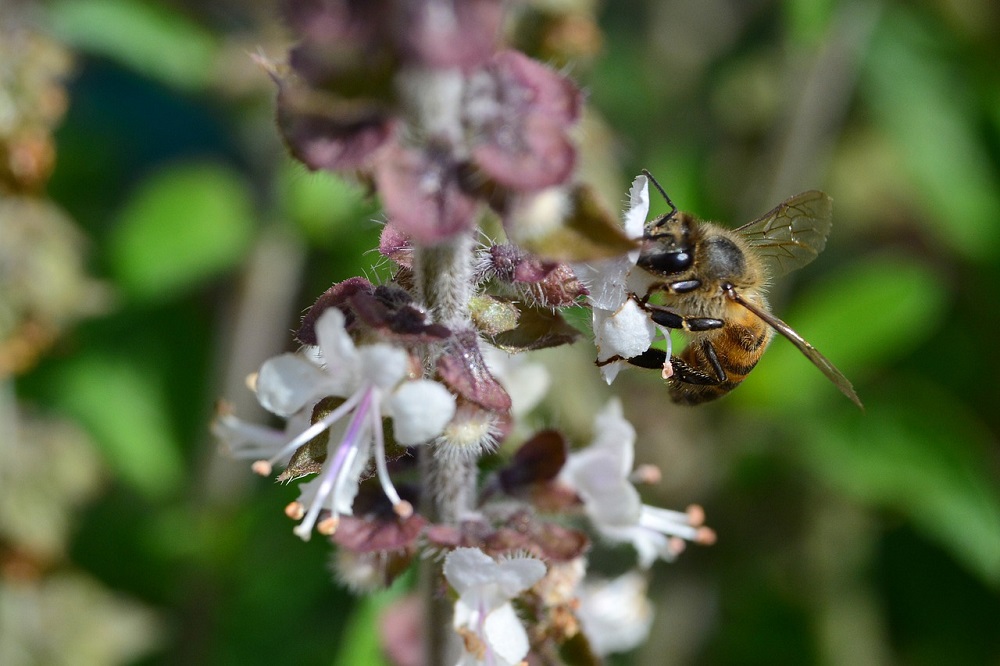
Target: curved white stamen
[(316, 428), (332, 479), (668, 368), (381, 467), (666, 336)]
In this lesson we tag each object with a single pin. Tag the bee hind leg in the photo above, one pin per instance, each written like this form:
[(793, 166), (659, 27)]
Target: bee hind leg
[(683, 371)]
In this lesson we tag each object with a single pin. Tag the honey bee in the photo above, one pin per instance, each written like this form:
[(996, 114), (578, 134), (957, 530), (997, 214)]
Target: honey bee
[(712, 282)]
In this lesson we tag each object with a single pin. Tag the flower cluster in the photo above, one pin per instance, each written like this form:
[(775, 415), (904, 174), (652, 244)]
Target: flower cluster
[(400, 389), (484, 616), (372, 381), (418, 95)]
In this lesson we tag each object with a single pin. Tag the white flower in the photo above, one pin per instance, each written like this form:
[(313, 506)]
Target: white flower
[(251, 441), (484, 616), (619, 335), (607, 280), (373, 381), (616, 614), (622, 329), (602, 476), (525, 382)]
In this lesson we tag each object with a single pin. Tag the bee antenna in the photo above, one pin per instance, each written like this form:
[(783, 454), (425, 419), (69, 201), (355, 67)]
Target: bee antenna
[(673, 208)]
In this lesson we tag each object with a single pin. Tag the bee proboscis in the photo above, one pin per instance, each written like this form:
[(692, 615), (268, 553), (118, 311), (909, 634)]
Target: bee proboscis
[(712, 281)]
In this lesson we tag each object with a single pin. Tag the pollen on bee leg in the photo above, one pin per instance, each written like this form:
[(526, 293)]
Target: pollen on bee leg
[(295, 510), (262, 467)]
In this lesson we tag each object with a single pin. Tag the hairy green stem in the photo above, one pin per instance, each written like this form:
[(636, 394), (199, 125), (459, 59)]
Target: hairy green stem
[(444, 278)]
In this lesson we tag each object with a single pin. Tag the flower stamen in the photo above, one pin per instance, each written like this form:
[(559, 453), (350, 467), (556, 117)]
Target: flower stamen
[(264, 467), (402, 508), (332, 478), (668, 368)]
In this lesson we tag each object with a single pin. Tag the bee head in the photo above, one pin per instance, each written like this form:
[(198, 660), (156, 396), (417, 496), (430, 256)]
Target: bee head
[(666, 247)]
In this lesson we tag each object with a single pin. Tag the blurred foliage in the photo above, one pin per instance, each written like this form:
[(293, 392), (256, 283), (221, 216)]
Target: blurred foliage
[(844, 537)]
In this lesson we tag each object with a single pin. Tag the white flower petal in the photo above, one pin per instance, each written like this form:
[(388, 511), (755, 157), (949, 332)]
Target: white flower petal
[(614, 434), (420, 410), (627, 332), (609, 371), (308, 490), (383, 365), (607, 280), (287, 383), (518, 574), (335, 344), (506, 635), (347, 489), (466, 568), (608, 497), (616, 614), (638, 207), (244, 439), (525, 382)]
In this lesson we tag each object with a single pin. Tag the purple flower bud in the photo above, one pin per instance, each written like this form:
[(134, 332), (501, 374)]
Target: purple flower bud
[(336, 296)]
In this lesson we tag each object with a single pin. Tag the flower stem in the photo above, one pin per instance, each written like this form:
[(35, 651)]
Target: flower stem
[(444, 278), (444, 274)]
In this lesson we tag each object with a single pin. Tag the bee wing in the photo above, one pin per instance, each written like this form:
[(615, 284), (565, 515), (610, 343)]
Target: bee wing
[(793, 233), (820, 361)]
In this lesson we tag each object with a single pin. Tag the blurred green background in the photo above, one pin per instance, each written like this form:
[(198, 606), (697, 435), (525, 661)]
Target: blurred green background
[(844, 538)]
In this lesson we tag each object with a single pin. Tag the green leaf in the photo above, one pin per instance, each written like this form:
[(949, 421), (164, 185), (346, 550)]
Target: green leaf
[(918, 452), (184, 224), (126, 412), (150, 39), (861, 318), (919, 98)]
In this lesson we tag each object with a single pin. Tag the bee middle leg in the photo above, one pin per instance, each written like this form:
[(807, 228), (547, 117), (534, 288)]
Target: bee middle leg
[(671, 318)]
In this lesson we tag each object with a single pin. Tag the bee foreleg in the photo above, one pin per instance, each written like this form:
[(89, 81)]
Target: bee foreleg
[(670, 318)]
